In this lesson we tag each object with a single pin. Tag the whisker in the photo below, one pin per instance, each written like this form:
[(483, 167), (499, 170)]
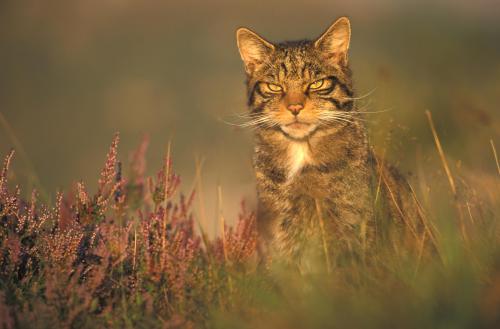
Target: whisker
[(371, 112), (245, 115), (362, 96), (264, 120), (268, 124), (349, 115), (332, 117), (230, 123), (330, 120), (254, 122), (247, 112)]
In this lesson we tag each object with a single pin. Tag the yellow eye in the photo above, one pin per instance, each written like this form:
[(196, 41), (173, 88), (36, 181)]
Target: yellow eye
[(274, 88), (317, 84)]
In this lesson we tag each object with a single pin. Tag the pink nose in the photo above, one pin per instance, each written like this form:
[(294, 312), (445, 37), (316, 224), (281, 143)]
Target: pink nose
[(295, 108)]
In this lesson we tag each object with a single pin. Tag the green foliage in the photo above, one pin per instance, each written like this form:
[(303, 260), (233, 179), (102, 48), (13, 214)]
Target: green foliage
[(131, 256)]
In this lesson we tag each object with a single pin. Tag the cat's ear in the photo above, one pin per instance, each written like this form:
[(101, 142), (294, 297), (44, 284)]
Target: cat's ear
[(334, 43), (254, 50)]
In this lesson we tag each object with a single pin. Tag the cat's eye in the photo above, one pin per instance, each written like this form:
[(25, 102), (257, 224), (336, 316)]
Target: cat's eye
[(274, 88), (317, 84)]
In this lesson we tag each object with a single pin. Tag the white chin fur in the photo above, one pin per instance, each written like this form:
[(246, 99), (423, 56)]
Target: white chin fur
[(298, 133)]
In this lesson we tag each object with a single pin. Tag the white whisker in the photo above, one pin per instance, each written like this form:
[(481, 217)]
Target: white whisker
[(244, 115), (370, 112), (362, 96), (329, 117), (255, 120), (338, 114), (330, 120)]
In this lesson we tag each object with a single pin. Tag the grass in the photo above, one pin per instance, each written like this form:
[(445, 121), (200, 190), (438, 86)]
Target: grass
[(134, 255)]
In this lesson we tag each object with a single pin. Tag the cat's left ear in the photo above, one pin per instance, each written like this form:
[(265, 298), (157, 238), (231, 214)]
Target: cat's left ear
[(334, 43)]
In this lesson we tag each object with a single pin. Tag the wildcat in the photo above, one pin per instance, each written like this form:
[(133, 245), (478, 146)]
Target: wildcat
[(317, 177)]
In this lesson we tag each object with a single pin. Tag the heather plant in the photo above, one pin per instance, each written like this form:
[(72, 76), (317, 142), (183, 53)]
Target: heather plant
[(128, 252), (133, 254)]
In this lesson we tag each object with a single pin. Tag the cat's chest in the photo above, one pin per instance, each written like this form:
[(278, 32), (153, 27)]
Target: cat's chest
[(298, 155)]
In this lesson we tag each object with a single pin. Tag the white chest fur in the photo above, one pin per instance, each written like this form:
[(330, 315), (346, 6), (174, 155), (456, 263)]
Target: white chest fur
[(299, 155)]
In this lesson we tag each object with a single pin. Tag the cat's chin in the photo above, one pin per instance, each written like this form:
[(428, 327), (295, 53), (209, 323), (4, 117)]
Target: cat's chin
[(298, 130)]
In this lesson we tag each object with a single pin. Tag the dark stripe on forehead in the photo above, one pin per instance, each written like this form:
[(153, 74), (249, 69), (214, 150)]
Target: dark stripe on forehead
[(285, 70), (292, 63), (272, 75), (303, 70)]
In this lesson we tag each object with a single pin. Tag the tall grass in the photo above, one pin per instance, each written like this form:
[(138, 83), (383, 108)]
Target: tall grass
[(133, 255)]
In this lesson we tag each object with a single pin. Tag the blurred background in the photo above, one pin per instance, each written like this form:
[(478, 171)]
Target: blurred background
[(72, 73)]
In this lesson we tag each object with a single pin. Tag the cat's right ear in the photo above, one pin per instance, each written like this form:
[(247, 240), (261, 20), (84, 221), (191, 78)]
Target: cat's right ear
[(254, 50)]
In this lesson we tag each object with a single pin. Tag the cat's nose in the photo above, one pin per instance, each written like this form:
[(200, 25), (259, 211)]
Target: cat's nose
[(295, 108)]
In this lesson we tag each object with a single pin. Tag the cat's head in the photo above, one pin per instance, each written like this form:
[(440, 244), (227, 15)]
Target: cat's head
[(298, 87)]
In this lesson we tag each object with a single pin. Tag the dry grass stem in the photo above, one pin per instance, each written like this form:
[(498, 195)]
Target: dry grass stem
[(493, 148), (441, 153), (323, 236)]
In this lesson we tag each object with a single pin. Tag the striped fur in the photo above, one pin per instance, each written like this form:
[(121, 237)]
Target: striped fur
[(315, 166)]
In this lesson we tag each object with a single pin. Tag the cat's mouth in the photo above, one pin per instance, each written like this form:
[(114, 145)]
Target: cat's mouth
[(298, 125), (298, 129)]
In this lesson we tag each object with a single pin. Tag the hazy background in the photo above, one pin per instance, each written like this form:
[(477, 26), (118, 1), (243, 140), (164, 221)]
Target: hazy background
[(74, 72)]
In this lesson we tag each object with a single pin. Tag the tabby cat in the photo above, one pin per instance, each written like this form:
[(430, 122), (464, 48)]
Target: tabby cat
[(317, 178)]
